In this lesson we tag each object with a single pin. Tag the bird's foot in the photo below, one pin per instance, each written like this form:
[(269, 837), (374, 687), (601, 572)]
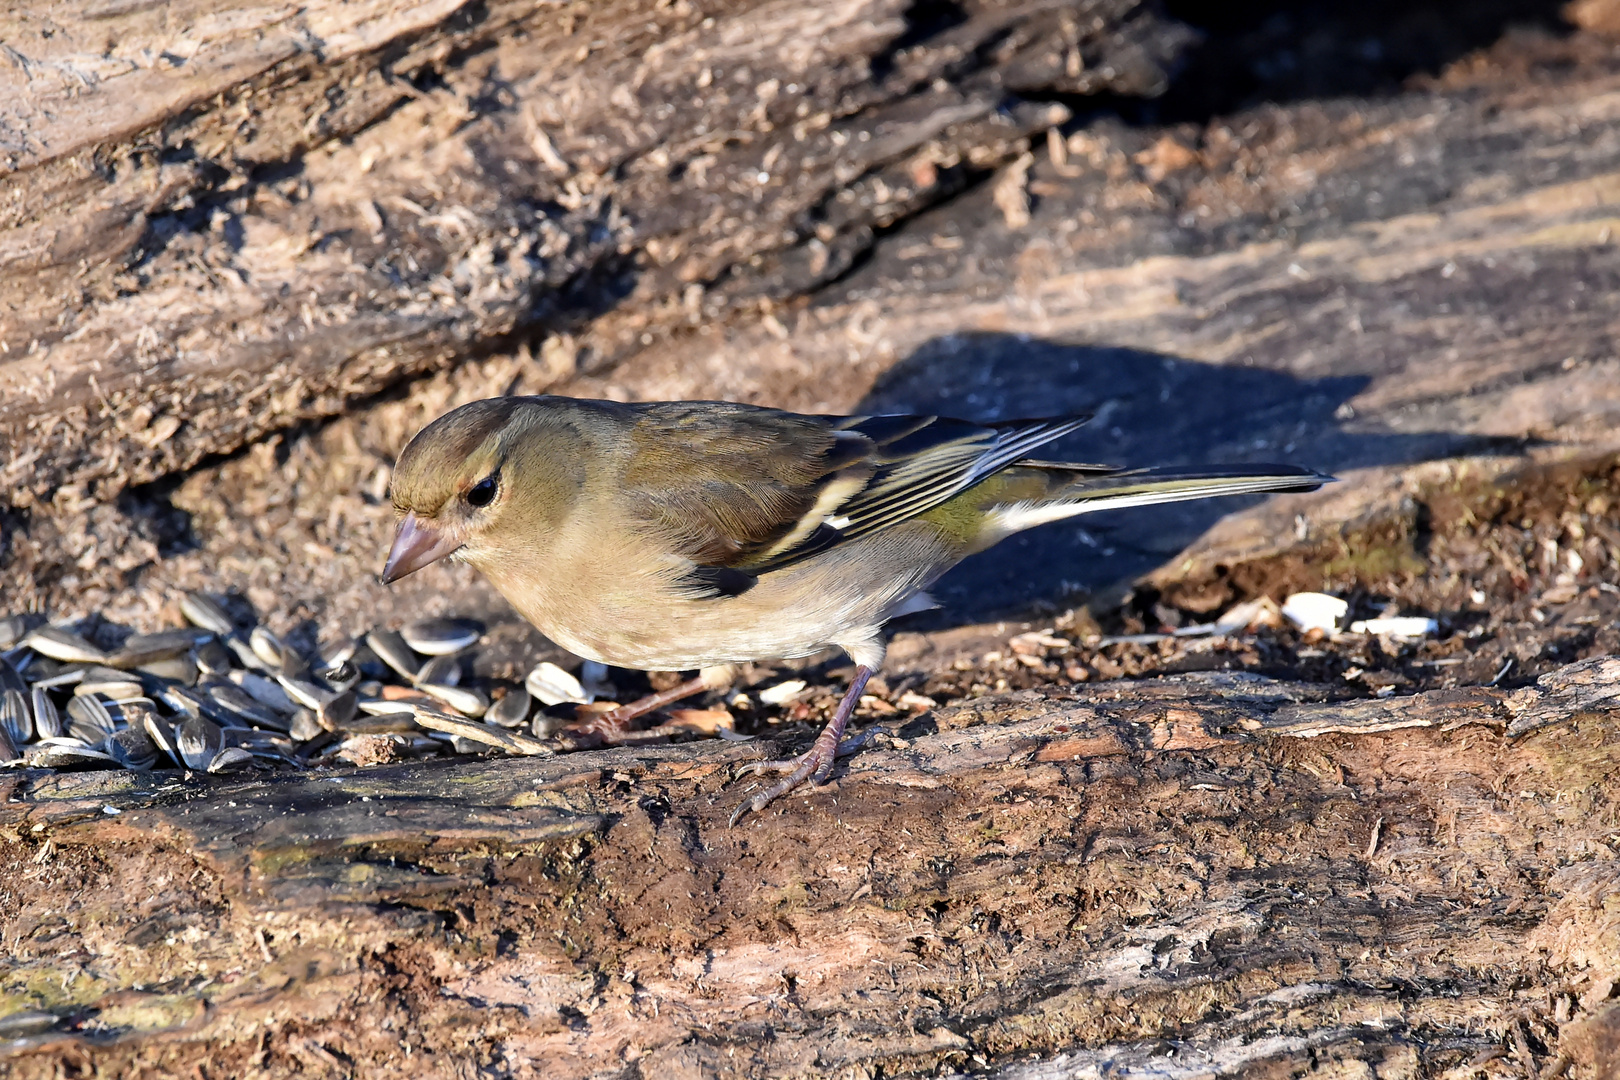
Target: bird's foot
[(790, 765), (594, 730), (816, 763), (614, 727)]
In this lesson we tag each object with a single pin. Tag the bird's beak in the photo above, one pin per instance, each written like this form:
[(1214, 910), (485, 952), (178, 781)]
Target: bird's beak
[(416, 545)]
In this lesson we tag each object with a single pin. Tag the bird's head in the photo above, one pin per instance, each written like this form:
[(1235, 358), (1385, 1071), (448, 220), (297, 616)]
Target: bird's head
[(469, 479)]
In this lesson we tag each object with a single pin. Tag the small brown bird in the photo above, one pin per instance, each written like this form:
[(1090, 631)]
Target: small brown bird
[(669, 536)]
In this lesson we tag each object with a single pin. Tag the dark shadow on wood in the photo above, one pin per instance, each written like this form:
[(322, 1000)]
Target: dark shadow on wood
[(1283, 51), (1149, 409)]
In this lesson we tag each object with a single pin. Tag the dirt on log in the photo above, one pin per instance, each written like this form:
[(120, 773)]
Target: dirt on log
[(1203, 876)]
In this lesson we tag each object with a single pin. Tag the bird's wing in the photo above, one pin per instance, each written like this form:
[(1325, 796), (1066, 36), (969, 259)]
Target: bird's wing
[(741, 490)]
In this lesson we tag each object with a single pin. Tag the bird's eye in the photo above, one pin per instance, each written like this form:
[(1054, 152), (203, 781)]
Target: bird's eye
[(482, 493)]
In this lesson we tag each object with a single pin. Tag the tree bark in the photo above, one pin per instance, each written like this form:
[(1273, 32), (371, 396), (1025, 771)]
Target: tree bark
[(219, 221), (1208, 876)]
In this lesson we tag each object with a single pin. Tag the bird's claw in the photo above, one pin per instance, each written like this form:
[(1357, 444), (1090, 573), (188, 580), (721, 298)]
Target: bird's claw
[(814, 764)]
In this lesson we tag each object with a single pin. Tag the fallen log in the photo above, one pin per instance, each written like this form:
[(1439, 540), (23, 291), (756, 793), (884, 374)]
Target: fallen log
[(1203, 876)]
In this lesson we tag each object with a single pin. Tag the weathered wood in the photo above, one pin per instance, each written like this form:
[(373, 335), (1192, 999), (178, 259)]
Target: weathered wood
[(216, 220), (1201, 876), (1256, 293)]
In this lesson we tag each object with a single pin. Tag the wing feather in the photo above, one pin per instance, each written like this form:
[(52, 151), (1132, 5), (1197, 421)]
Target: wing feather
[(753, 490)]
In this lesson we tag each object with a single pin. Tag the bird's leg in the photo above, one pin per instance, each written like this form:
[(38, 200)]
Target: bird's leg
[(609, 726), (817, 762)]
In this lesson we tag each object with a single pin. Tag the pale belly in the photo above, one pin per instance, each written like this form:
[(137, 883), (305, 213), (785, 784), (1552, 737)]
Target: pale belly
[(839, 599)]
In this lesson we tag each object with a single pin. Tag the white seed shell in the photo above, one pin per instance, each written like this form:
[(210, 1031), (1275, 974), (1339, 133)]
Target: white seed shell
[(64, 645), (1314, 610), (464, 701), (204, 611), (782, 692), (441, 637), (553, 686), (1398, 626), (266, 646)]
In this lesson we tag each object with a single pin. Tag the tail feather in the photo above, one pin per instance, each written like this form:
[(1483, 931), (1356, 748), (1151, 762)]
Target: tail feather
[(1082, 489)]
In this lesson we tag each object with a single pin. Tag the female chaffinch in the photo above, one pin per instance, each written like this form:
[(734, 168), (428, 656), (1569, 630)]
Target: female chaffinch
[(701, 534)]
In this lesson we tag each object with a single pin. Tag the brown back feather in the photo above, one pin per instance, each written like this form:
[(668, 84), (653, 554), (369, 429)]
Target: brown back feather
[(723, 481)]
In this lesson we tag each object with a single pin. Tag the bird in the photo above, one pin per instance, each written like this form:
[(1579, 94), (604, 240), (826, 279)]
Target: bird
[(682, 535)]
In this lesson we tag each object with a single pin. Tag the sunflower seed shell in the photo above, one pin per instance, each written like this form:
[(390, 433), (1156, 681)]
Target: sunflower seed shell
[(64, 645), (16, 719), (390, 723), (545, 725), (440, 671), (553, 686), (267, 692), (464, 701), (229, 760), (204, 611), (236, 702), (13, 628), (11, 678), (340, 677), (337, 651), (92, 712), (212, 657), (181, 669), (245, 654), (148, 648), (198, 740), (391, 649), (333, 713), (132, 748), (266, 646), (68, 757), (47, 721), (111, 689), (305, 693), (305, 726), (72, 676), (512, 710), (441, 637), (161, 732)]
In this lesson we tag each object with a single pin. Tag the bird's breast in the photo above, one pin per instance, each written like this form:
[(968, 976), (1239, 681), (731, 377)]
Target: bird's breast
[(634, 612)]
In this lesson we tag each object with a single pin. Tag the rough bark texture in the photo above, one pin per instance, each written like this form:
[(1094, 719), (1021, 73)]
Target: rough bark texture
[(220, 220), (1358, 286), (1341, 858), (1161, 875)]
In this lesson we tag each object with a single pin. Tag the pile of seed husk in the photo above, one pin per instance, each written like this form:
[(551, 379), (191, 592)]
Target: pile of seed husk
[(215, 697)]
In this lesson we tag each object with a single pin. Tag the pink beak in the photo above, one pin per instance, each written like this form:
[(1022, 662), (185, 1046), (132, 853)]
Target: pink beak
[(416, 545)]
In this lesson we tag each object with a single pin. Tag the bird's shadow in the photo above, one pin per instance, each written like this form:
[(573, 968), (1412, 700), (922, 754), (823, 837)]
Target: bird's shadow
[(1149, 409)]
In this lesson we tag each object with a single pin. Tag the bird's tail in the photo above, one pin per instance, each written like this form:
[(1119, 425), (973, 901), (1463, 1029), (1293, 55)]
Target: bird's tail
[(1032, 493)]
